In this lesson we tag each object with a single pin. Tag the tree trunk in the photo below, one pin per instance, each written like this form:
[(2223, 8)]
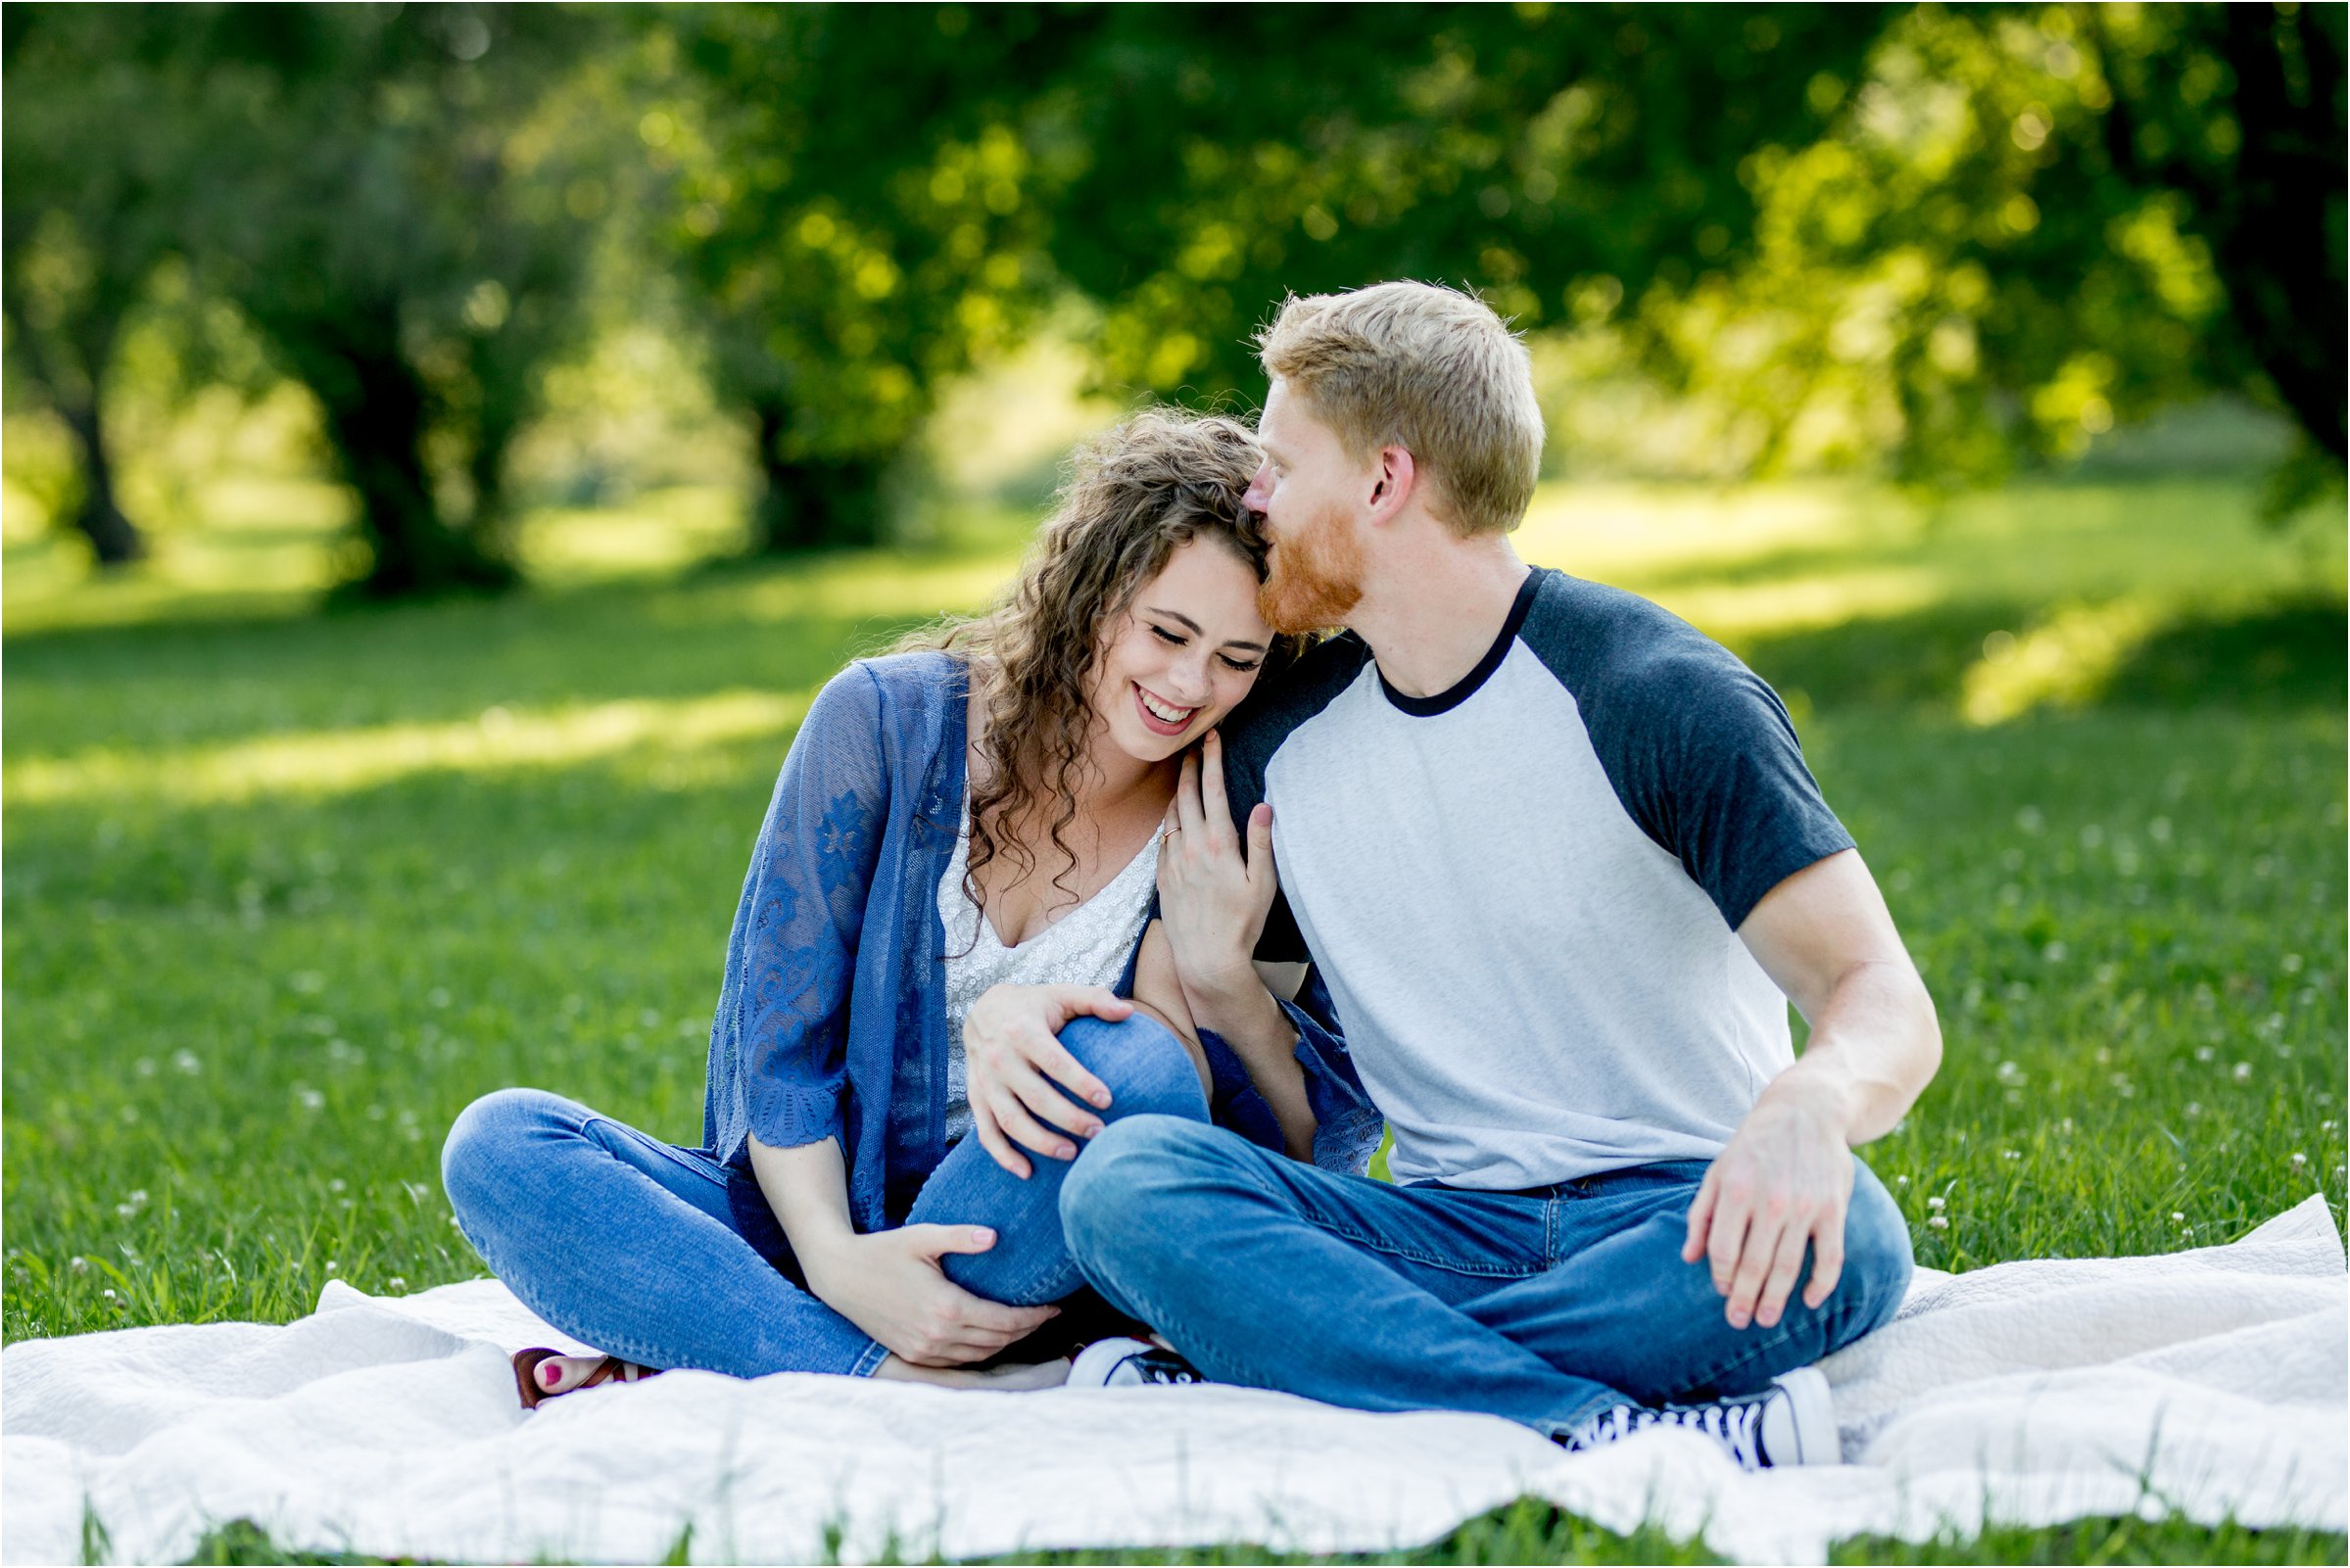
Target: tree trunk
[(378, 428), (811, 503), (114, 539), (2279, 244)]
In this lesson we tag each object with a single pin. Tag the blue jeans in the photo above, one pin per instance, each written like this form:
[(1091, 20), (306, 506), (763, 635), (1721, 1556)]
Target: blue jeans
[(1545, 1307), (664, 1257)]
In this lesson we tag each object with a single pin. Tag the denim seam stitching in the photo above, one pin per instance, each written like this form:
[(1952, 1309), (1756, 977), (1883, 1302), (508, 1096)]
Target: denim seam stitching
[(668, 1152)]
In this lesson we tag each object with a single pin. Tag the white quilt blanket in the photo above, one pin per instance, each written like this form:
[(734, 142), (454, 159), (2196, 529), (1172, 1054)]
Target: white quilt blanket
[(2211, 1382)]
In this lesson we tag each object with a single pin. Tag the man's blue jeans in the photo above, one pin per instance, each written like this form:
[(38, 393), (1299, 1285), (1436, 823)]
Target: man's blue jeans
[(638, 1247), (1545, 1306)]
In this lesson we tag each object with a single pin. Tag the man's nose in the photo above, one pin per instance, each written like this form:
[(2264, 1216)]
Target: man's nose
[(1259, 489)]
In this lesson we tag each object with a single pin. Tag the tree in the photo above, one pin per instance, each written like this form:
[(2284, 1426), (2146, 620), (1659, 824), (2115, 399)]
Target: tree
[(394, 220), (853, 206), (93, 171), (2026, 226), (1950, 236), (1525, 150)]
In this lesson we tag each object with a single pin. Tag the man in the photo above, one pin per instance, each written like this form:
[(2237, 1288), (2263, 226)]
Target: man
[(1558, 863)]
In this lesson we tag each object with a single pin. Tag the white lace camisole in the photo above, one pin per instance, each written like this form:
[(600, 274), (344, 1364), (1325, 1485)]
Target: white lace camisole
[(1088, 946)]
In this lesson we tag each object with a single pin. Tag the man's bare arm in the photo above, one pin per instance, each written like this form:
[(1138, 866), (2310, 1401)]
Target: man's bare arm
[(1785, 1181)]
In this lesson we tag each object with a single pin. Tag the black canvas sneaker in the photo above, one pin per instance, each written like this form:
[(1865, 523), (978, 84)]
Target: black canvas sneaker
[(1128, 1363), (1791, 1423)]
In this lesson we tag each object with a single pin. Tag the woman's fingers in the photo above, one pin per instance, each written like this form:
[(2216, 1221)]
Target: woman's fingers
[(1260, 844), (1048, 1104), (1188, 815), (991, 1138), (1027, 1131), (1212, 805), (1069, 1073)]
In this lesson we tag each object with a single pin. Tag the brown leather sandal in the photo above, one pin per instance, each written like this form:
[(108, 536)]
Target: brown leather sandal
[(611, 1369)]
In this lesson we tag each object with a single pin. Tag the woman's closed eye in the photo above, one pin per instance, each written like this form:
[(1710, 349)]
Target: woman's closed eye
[(1177, 639)]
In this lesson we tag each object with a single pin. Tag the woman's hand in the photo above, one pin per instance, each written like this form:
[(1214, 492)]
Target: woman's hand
[(1013, 1056), (889, 1284), (1213, 890)]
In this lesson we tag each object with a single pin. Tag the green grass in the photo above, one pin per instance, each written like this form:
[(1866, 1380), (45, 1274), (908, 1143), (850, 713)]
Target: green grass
[(284, 891)]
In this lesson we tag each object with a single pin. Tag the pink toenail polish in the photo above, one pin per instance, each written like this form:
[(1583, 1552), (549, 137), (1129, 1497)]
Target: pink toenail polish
[(549, 1374)]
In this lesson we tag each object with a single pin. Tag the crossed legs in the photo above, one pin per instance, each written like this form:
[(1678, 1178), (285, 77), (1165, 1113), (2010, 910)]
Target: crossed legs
[(1546, 1308)]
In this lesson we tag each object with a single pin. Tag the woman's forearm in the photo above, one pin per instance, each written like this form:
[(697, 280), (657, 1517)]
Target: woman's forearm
[(1250, 1021), (807, 1188)]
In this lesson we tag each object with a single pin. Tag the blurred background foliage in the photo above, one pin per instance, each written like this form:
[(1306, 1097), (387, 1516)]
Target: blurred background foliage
[(475, 264)]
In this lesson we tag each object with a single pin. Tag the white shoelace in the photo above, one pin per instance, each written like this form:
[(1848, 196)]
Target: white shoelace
[(1737, 1427)]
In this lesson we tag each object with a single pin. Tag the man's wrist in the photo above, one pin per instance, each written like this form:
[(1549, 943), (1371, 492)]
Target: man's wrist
[(1815, 1087)]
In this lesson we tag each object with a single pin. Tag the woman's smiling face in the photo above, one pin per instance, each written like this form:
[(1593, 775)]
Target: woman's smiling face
[(1182, 653)]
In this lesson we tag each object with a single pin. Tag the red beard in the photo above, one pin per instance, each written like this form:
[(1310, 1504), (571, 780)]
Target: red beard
[(1315, 576)]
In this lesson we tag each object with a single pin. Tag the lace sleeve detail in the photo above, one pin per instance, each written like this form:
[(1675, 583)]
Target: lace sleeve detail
[(803, 905)]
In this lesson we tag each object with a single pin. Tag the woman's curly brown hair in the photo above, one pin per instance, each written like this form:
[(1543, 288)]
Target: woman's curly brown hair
[(1134, 493)]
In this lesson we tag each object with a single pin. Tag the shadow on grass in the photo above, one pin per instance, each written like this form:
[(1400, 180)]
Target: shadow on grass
[(2286, 656)]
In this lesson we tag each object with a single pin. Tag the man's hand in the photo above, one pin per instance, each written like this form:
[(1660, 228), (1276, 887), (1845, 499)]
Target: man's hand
[(889, 1284), (1783, 1183), (1013, 1056), (1784, 1180)]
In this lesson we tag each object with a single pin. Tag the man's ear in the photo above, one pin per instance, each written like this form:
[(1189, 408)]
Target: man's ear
[(1392, 482)]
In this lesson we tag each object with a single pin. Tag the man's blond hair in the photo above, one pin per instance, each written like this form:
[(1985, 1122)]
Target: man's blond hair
[(1429, 370)]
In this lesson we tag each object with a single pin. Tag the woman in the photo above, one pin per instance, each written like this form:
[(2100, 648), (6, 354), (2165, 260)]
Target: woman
[(945, 912)]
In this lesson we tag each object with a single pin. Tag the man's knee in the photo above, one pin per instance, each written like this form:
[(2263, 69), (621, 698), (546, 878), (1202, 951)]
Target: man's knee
[(1134, 1164), (1877, 1261), (1141, 1062)]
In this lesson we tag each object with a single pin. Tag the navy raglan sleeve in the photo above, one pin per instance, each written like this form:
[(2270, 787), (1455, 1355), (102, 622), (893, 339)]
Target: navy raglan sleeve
[(1723, 785), (1700, 749)]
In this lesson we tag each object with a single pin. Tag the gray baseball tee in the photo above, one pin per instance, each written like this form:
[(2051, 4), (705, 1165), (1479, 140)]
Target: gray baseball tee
[(1524, 892)]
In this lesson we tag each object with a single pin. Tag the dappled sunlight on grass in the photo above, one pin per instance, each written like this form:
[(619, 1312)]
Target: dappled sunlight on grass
[(848, 587), (270, 546), (2066, 661), (657, 533), (332, 762), (1753, 562)]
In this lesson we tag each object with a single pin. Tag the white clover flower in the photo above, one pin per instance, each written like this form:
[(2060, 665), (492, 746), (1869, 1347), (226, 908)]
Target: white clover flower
[(396, 1283), (1934, 1202), (1900, 1181), (2300, 1159), (79, 1265), (2194, 1108), (2203, 1053), (1938, 1222), (2243, 1071), (2178, 1219)]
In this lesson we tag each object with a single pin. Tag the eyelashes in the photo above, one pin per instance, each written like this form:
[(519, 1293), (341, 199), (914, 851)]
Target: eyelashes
[(1238, 666)]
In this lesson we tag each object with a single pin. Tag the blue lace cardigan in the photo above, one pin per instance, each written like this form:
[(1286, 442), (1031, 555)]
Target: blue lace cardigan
[(831, 1021)]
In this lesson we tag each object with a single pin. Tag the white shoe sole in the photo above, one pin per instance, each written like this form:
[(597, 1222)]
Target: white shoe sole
[(1095, 1362), (1813, 1408)]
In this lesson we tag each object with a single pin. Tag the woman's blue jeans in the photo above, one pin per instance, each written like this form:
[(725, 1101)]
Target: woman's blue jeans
[(632, 1245), (1545, 1307)]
